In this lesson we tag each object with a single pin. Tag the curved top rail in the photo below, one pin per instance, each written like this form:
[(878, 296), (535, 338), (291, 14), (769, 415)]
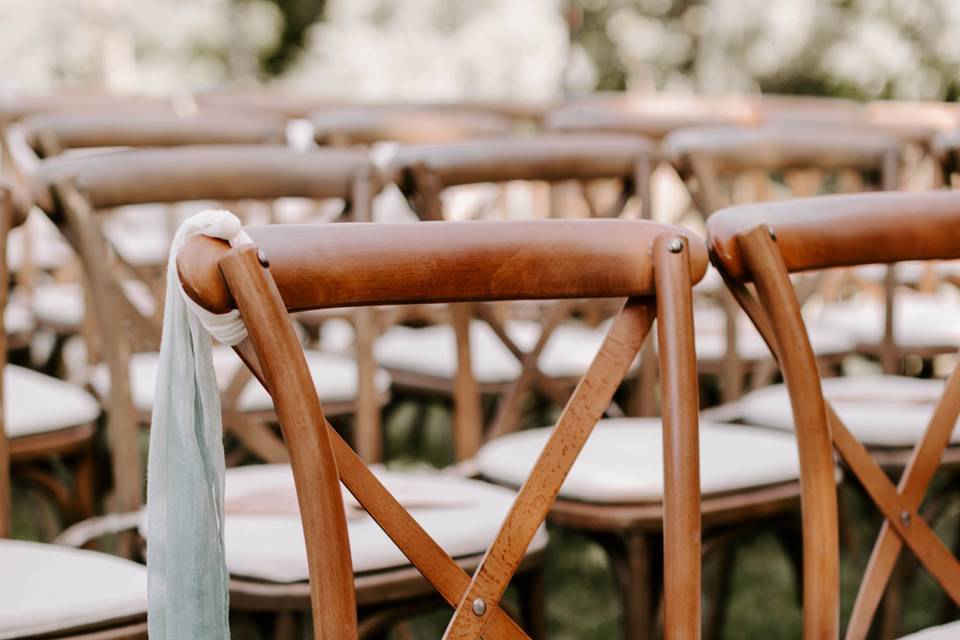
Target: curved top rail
[(406, 124), (549, 157), (846, 230), (781, 146), (227, 172), (116, 128), (355, 264)]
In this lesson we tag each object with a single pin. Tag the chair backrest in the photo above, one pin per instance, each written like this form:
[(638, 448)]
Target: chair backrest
[(762, 244), (14, 206), (710, 158), (652, 265), (72, 190), (406, 124), (50, 134), (650, 115), (423, 171)]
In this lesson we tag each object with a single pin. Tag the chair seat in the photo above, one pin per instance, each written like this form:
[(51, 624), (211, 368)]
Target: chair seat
[(62, 304), (48, 249), (432, 350), (949, 631), (920, 320), (17, 318), (622, 461), (711, 340), (880, 411), (335, 377), (36, 403), (264, 535), (46, 588)]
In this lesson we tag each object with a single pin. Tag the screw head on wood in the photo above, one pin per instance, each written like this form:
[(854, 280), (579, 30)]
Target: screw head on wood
[(905, 518), (771, 231), (262, 257), (479, 607), (675, 245)]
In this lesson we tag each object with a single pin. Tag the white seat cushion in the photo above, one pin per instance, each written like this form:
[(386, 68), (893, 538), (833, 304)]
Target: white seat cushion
[(46, 588), (622, 461), (334, 376), (920, 319), (949, 631), (62, 304), (17, 318), (711, 339), (264, 536), (432, 350), (36, 403), (883, 411), (48, 249)]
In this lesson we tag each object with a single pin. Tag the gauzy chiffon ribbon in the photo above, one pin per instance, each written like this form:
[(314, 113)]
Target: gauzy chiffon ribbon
[(187, 574)]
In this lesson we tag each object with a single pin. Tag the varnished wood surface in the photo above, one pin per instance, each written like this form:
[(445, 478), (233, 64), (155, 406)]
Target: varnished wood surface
[(406, 123), (319, 265), (549, 157), (218, 172), (52, 133), (844, 230)]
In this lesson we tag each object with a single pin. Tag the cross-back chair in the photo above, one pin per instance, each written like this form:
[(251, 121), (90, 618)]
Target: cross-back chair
[(46, 590), (40, 432), (723, 165), (423, 173), (75, 194), (761, 245), (406, 124), (291, 268)]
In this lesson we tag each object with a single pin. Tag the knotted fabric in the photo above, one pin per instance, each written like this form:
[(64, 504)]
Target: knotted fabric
[(188, 580)]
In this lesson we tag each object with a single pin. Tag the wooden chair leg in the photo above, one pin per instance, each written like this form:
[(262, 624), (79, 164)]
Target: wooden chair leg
[(286, 626), (530, 586), (631, 557), (84, 486)]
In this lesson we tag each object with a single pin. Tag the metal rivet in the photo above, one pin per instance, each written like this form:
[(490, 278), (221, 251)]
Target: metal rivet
[(675, 245), (770, 230), (262, 257), (905, 518), (479, 607)]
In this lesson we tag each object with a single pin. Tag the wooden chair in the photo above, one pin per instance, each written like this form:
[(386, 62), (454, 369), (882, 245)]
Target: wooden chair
[(725, 165), (510, 358), (75, 192), (406, 124), (762, 245), (50, 591), (653, 265), (42, 433)]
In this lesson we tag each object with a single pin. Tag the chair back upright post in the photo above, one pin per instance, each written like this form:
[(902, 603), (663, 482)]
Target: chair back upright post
[(763, 245), (14, 206), (423, 171), (651, 265), (72, 192)]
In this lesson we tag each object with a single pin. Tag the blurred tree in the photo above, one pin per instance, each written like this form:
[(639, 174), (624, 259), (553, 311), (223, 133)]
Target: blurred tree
[(298, 16)]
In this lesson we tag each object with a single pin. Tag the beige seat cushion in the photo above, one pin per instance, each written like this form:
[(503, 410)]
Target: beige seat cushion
[(36, 403), (949, 631), (711, 338), (431, 351), (920, 319), (264, 537), (62, 304), (335, 377), (622, 461), (883, 411), (45, 588)]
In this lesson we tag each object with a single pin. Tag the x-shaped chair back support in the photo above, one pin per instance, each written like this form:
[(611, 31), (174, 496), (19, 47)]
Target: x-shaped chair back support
[(763, 245), (73, 191), (423, 171), (653, 266)]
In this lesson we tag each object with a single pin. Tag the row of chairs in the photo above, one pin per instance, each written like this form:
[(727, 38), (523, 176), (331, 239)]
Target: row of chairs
[(72, 188)]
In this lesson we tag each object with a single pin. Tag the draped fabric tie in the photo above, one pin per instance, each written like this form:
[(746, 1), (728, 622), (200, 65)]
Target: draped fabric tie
[(188, 581)]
